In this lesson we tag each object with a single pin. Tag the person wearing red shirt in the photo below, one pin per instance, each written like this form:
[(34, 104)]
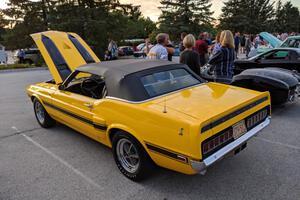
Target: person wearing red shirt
[(202, 48)]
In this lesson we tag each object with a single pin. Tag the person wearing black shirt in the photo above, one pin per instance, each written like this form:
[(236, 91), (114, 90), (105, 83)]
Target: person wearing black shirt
[(181, 47), (170, 52), (190, 57), (223, 59)]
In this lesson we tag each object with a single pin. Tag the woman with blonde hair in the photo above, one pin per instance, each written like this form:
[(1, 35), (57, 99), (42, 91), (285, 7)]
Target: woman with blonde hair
[(190, 57), (217, 45), (223, 59)]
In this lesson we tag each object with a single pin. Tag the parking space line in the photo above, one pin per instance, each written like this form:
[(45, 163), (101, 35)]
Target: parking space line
[(278, 143), (76, 171)]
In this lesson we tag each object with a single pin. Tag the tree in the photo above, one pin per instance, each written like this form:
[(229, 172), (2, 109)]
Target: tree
[(251, 16), (25, 17), (184, 15), (99, 21), (94, 20), (287, 18), (277, 21), (3, 24)]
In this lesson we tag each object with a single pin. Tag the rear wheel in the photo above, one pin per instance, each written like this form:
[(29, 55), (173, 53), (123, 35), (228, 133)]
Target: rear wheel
[(41, 115), (130, 157)]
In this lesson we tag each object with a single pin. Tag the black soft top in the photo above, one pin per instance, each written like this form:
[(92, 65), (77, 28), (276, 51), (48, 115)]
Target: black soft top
[(122, 77), (121, 68)]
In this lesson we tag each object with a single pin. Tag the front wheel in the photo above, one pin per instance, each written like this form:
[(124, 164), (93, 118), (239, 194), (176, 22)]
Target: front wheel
[(41, 115), (130, 157)]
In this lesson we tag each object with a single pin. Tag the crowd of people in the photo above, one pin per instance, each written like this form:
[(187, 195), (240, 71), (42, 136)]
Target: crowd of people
[(196, 53), (245, 43)]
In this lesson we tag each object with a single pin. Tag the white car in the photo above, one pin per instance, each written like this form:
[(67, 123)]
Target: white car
[(141, 50), (3, 57)]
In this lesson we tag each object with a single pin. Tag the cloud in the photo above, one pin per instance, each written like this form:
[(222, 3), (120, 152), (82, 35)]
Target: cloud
[(150, 9)]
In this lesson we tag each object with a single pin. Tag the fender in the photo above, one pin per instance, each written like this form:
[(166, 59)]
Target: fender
[(276, 83), (127, 130), (40, 100), (281, 79)]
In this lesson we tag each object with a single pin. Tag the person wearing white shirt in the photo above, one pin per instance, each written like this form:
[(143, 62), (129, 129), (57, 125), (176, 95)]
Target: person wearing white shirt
[(160, 51)]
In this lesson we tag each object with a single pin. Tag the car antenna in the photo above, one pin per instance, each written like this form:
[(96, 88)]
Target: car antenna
[(165, 106)]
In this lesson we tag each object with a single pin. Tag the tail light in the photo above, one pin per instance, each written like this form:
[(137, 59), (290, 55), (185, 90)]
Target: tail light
[(217, 142), (221, 139), (256, 118)]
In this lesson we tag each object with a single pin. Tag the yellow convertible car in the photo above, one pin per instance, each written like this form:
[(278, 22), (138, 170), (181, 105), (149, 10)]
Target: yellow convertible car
[(149, 112)]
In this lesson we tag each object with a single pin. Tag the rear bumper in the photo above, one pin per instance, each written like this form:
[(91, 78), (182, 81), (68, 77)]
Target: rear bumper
[(201, 166)]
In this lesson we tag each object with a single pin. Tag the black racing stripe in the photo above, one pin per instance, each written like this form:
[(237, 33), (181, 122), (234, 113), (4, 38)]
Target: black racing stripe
[(168, 153), (100, 127), (232, 115), (97, 126), (81, 49), (69, 113), (61, 65)]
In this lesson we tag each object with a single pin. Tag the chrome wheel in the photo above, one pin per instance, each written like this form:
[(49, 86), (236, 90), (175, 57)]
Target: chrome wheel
[(128, 155), (40, 112)]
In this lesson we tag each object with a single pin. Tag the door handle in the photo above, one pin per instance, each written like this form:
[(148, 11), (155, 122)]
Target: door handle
[(89, 105)]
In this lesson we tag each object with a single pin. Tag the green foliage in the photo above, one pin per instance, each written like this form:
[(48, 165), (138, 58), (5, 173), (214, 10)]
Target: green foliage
[(254, 16), (16, 66), (26, 17), (250, 16), (95, 21), (287, 18), (190, 16)]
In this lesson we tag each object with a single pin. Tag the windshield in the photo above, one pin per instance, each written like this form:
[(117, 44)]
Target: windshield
[(295, 43), (168, 81)]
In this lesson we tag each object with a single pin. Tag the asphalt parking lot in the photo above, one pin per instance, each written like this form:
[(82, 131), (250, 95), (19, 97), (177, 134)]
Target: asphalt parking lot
[(59, 163)]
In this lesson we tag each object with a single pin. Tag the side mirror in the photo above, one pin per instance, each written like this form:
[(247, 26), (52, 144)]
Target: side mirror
[(61, 87)]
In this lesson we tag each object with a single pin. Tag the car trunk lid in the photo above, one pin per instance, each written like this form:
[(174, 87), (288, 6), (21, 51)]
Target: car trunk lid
[(208, 100)]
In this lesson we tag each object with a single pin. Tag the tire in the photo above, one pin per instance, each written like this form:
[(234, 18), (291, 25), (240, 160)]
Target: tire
[(137, 167), (41, 114)]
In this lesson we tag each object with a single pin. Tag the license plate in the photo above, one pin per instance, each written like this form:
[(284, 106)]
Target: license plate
[(239, 129)]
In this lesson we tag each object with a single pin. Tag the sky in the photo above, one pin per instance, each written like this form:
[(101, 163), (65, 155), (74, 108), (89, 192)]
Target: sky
[(149, 7)]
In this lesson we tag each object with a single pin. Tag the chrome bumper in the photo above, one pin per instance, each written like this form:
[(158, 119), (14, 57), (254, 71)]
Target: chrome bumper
[(200, 167)]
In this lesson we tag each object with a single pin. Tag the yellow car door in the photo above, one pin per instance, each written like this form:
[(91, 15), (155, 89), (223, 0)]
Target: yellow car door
[(76, 111)]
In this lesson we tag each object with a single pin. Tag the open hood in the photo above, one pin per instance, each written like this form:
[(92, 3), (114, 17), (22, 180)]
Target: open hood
[(63, 52), (271, 39)]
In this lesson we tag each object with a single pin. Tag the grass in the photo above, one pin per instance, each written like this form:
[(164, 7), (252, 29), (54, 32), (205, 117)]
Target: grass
[(16, 66)]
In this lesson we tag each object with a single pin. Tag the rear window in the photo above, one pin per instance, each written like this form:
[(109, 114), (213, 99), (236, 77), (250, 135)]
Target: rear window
[(168, 81)]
